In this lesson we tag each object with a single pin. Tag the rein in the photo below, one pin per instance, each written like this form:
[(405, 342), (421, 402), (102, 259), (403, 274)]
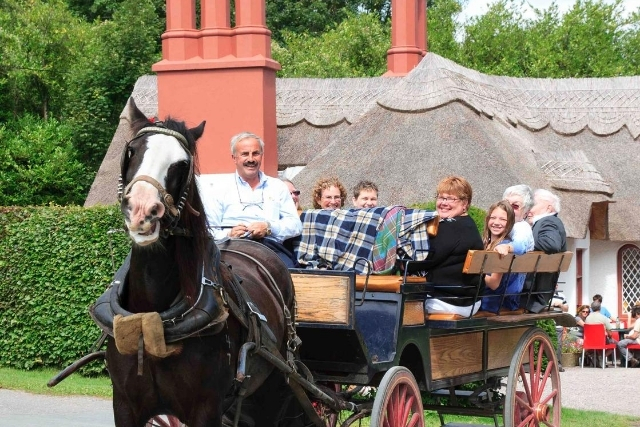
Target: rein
[(173, 212)]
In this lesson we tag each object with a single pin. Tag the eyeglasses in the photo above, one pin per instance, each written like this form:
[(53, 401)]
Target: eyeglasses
[(245, 205), (584, 311), (446, 199), (295, 193), (515, 206)]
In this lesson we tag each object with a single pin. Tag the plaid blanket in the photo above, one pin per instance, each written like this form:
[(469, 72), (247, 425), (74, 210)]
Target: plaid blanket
[(384, 251), (350, 239), (413, 239)]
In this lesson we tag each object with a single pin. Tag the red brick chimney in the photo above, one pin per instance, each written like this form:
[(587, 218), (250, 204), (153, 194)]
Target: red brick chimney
[(408, 36), (222, 75)]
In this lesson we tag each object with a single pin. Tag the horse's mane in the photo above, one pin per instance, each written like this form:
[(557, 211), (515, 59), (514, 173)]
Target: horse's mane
[(190, 252)]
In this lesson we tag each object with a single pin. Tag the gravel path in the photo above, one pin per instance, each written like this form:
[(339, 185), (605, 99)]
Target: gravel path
[(608, 390)]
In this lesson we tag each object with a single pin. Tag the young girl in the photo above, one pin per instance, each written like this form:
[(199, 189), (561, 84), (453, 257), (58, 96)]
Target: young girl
[(497, 226)]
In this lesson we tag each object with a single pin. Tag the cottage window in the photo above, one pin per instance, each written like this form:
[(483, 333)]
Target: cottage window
[(629, 275)]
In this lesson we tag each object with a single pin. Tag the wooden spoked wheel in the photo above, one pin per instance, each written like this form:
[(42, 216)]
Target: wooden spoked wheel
[(398, 402), (164, 421), (533, 386)]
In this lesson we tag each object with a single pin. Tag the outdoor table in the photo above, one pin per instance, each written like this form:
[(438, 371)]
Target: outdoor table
[(620, 332)]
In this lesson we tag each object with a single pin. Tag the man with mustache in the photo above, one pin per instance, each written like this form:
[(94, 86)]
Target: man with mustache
[(251, 205)]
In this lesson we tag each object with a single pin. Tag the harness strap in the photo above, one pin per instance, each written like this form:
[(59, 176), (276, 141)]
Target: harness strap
[(294, 341), (167, 198)]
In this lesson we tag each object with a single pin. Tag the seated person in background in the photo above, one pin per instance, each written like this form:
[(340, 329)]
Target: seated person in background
[(603, 310), (328, 193), (249, 204), (497, 227), (596, 317), (365, 195), (630, 320), (631, 338), (295, 193), (453, 291), (581, 316)]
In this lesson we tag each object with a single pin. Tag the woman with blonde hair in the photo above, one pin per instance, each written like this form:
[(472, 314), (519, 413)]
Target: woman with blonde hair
[(328, 193), (453, 291)]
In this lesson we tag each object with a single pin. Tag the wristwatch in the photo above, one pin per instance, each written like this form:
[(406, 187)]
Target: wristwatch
[(268, 228)]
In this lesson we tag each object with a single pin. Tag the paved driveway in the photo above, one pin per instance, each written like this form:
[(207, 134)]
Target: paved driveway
[(608, 390), (19, 409)]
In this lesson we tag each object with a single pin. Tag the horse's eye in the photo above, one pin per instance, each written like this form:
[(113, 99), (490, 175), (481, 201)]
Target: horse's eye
[(129, 152)]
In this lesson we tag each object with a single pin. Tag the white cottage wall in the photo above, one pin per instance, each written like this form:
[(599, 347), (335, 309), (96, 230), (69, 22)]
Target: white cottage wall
[(603, 274)]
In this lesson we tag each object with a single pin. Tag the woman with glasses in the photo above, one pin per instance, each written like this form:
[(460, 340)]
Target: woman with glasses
[(328, 193), (453, 291), (581, 316)]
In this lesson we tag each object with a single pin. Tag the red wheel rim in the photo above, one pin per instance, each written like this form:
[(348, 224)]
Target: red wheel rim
[(537, 401), (402, 408)]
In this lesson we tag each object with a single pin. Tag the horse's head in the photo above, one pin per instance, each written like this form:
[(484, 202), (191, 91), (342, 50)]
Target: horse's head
[(157, 174)]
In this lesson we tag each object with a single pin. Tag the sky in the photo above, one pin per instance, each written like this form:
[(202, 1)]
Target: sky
[(479, 7)]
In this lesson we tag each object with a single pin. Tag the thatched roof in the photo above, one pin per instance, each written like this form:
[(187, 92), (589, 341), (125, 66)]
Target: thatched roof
[(573, 136)]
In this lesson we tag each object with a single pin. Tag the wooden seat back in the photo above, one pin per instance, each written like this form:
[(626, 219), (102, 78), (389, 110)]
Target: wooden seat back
[(479, 262)]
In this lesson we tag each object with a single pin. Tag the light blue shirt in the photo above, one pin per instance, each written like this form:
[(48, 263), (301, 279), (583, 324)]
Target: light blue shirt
[(605, 312), (232, 201), (521, 237)]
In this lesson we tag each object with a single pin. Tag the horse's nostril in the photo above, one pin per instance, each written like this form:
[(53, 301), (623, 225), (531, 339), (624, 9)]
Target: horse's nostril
[(154, 212)]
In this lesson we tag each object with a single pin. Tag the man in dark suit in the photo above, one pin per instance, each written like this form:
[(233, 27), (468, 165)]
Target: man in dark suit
[(550, 237)]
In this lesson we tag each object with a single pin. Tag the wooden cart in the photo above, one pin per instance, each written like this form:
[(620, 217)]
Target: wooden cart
[(359, 331)]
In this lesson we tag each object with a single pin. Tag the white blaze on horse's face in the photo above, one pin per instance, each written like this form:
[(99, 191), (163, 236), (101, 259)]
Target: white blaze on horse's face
[(145, 207)]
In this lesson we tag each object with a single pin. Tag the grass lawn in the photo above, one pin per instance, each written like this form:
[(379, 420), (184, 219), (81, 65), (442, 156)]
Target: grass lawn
[(36, 382)]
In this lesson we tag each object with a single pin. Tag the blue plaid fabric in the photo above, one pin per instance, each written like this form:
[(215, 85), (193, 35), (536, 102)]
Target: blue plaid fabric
[(413, 239), (344, 239)]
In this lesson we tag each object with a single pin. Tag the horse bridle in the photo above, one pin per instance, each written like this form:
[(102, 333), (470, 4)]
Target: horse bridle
[(172, 211)]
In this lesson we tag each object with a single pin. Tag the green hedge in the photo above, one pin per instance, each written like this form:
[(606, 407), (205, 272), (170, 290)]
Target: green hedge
[(54, 262)]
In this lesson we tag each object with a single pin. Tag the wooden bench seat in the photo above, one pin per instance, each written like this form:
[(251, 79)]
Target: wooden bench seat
[(478, 315), (484, 262), (385, 283), (326, 296)]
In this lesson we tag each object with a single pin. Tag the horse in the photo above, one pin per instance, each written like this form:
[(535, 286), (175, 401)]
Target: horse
[(179, 309)]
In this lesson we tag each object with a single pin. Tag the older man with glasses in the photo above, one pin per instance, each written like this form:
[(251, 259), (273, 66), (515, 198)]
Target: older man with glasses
[(251, 205)]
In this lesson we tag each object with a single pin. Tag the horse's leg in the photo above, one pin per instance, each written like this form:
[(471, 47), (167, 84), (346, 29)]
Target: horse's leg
[(124, 415), (274, 404)]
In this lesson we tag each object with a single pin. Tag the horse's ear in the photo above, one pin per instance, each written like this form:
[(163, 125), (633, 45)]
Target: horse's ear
[(197, 131), (133, 113)]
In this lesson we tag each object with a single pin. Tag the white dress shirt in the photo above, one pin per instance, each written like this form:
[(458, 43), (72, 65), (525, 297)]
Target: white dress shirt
[(231, 201)]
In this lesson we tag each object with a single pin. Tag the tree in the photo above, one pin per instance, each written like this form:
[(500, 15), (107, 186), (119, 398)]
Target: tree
[(38, 40), (356, 48), (442, 28), (118, 52), (495, 43), (38, 164), (590, 40)]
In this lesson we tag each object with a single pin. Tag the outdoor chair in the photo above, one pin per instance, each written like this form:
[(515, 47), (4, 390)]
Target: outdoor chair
[(630, 347), (595, 339)]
